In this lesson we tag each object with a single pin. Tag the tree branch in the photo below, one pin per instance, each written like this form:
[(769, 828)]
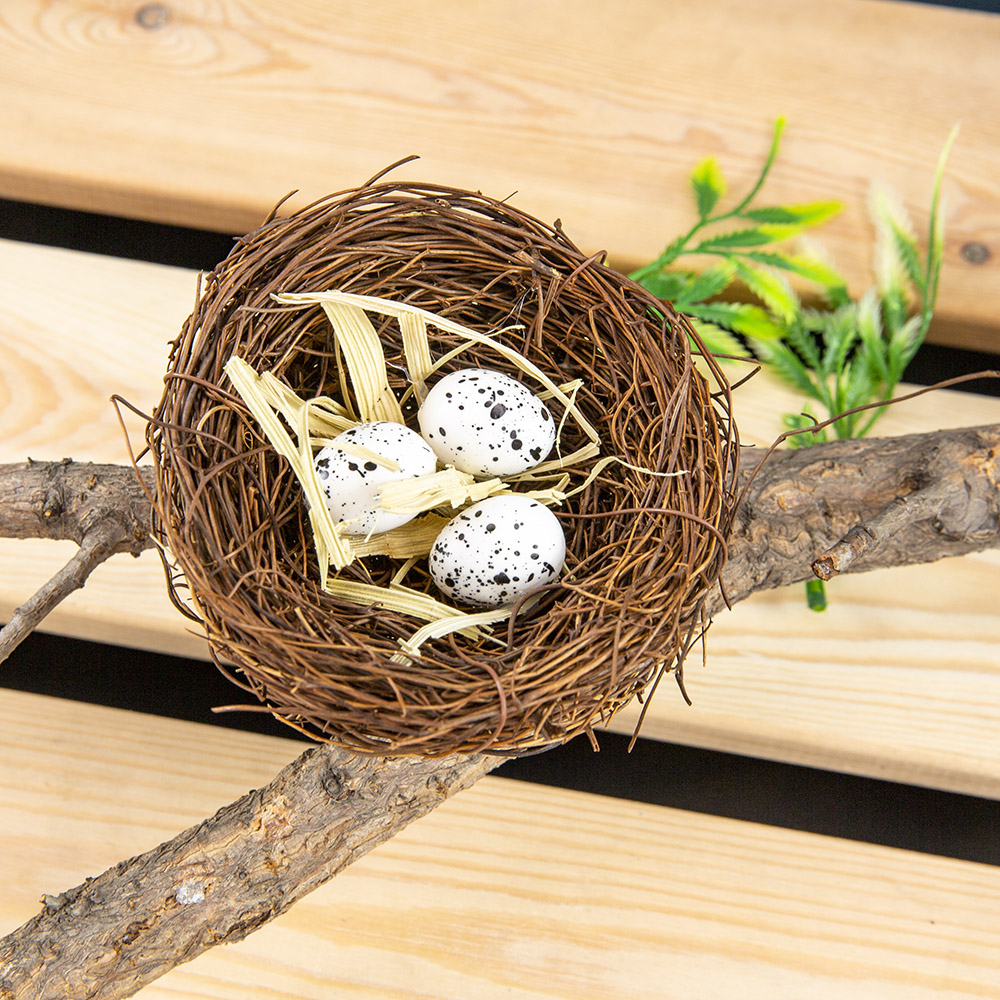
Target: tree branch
[(223, 878), (97, 545)]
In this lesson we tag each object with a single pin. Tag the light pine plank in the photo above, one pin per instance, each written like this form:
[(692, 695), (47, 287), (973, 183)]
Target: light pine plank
[(900, 678), (594, 114), (510, 890)]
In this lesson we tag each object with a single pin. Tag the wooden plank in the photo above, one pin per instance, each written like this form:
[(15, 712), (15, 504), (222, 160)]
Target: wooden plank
[(900, 678), (509, 890), (211, 113)]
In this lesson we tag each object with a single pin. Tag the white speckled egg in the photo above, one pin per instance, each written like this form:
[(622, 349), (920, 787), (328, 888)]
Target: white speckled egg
[(485, 423), (351, 483), (497, 550)]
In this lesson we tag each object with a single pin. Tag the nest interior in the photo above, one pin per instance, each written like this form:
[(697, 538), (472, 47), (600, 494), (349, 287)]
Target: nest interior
[(644, 548)]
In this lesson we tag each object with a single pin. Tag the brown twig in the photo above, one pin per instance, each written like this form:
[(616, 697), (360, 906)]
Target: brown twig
[(97, 545), (870, 535)]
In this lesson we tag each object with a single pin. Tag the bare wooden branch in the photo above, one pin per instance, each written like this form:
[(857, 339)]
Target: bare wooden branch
[(870, 535), (65, 500), (97, 545), (227, 876), (219, 881)]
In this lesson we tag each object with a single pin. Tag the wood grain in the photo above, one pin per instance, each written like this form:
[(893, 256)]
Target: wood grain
[(509, 890), (900, 678), (209, 114)]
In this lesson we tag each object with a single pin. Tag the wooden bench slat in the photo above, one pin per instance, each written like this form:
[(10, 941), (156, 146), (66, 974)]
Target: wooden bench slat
[(509, 890), (211, 115)]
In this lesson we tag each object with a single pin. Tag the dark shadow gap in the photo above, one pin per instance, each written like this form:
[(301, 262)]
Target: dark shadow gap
[(198, 249), (666, 774)]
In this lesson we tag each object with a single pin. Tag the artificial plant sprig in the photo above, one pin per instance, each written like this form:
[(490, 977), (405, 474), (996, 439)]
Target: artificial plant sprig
[(857, 353), (848, 354), (749, 254)]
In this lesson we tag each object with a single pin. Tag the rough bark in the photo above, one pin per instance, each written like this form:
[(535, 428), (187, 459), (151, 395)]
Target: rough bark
[(805, 502), (872, 503), (68, 500), (222, 879)]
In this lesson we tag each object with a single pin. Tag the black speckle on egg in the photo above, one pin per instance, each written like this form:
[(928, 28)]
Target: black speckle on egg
[(501, 578), (371, 466), (441, 431), (491, 527), (517, 444), (498, 411), (536, 454)]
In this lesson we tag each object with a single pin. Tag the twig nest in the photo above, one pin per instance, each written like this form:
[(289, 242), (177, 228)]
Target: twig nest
[(644, 519)]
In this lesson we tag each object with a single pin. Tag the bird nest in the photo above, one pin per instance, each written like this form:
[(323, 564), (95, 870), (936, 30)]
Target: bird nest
[(645, 513)]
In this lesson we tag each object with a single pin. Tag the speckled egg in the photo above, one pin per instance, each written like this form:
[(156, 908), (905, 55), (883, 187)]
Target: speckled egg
[(485, 423), (497, 550), (351, 483)]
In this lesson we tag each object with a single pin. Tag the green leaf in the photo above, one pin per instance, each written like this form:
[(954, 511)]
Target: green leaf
[(935, 236), (717, 340), (809, 214), (772, 289), (869, 322), (708, 185), (669, 285), (757, 236), (894, 308), (903, 345), (816, 595), (840, 333), (711, 281), (803, 341), (907, 253), (804, 265), (786, 364), (861, 382), (799, 421), (748, 320)]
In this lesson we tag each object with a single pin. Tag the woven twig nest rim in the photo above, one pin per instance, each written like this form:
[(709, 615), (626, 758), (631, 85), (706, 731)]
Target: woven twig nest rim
[(645, 544)]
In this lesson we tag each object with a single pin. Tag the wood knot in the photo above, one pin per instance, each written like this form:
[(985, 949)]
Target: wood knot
[(153, 16), (53, 505), (335, 785)]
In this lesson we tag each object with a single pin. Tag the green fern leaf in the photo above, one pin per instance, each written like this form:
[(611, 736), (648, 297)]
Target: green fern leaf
[(840, 333), (669, 285), (869, 324), (903, 344), (708, 186), (748, 320), (711, 281), (772, 289), (803, 341), (906, 250), (756, 237), (785, 363), (718, 340), (809, 214)]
